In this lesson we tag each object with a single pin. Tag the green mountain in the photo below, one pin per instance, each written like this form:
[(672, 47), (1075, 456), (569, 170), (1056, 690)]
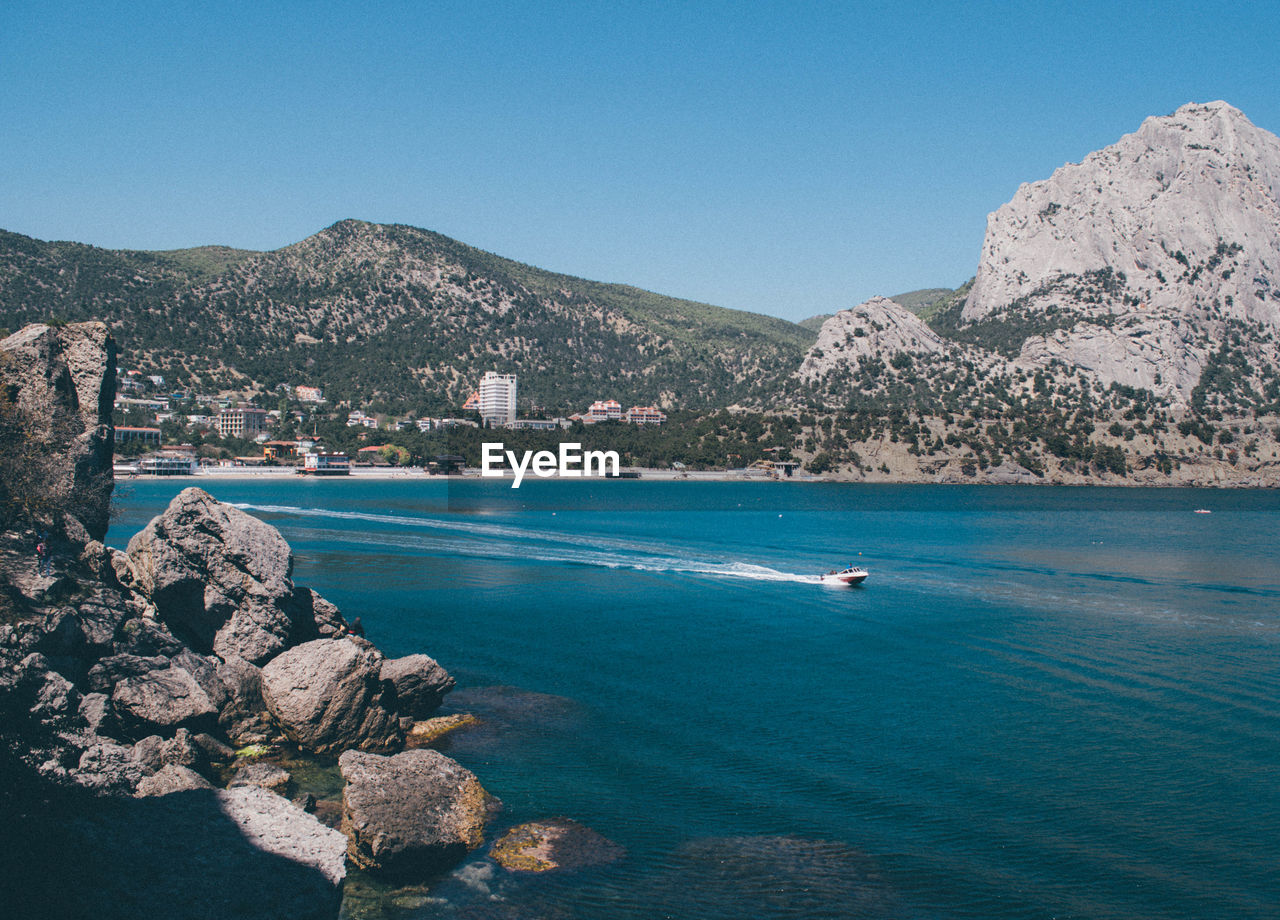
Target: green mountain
[(397, 317)]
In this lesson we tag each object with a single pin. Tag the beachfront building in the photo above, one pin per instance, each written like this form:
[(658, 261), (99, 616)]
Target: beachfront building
[(242, 422), (604, 410), (645, 415), (322, 464), (168, 463), (498, 398)]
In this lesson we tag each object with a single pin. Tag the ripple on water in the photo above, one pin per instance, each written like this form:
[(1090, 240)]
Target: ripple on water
[(508, 716), (772, 877)]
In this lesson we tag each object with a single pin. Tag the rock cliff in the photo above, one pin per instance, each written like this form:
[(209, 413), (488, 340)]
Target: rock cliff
[(55, 467), (1144, 252), (127, 679)]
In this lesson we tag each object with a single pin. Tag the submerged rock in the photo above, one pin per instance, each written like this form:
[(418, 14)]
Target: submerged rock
[(327, 696), (430, 730), (410, 815), (731, 877), (558, 843)]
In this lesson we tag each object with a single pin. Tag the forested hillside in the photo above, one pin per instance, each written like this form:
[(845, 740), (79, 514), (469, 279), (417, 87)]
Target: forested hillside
[(398, 318)]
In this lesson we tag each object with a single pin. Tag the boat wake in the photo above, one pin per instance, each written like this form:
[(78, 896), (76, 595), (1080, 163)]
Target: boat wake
[(478, 539)]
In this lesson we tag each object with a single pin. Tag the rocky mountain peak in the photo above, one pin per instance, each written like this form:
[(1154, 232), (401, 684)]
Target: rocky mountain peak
[(1172, 229), (878, 327)]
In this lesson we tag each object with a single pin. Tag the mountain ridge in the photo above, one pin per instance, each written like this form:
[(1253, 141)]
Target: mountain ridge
[(380, 286)]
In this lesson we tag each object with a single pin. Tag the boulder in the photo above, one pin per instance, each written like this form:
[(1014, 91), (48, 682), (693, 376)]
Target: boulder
[(421, 734), (214, 750), (95, 709), (421, 684), (314, 617), (108, 767), (410, 815), (155, 753), (275, 825), (171, 778), (327, 695), (166, 699), (264, 775), (219, 578), (244, 716), (110, 671)]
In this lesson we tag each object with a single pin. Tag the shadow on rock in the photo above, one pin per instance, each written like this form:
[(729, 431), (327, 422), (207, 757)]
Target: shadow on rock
[(193, 854)]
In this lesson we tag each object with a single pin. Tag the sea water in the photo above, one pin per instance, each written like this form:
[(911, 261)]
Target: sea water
[(1044, 702)]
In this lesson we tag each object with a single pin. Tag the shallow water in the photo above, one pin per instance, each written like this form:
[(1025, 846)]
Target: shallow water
[(1043, 703)]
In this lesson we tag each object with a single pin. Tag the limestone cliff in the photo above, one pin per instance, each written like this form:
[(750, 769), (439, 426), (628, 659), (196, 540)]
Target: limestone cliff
[(1145, 252)]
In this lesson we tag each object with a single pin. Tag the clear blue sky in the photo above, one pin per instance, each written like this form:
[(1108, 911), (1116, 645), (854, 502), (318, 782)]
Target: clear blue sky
[(788, 158)]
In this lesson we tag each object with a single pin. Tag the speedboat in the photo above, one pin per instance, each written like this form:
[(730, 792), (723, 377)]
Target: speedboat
[(853, 575)]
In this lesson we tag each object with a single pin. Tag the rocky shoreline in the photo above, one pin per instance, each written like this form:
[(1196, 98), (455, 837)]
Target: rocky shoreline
[(140, 689)]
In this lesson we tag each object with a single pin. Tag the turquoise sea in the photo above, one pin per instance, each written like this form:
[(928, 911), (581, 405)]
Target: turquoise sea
[(1044, 702)]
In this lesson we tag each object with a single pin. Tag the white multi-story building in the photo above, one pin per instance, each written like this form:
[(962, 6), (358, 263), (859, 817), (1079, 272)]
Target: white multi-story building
[(242, 422), (603, 410), (498, 398), (645, 415), (308, 394)]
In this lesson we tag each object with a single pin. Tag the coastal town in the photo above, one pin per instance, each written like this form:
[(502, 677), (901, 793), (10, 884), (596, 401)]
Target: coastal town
[(164, 433)]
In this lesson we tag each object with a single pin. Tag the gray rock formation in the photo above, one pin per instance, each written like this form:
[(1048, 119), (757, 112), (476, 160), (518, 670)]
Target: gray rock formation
[(1155, 240), (410, 815), (218, 577), (62, 382), (877, 328), (267, 776), (123, 678), (163, 698), (421, 684), (328, 695), (169, 779)]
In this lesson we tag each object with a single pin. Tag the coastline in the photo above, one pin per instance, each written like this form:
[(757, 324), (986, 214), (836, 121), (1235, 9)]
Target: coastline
[(1267, 478)]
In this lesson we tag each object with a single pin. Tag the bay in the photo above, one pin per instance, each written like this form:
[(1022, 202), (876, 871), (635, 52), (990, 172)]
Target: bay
[(1044, 702)]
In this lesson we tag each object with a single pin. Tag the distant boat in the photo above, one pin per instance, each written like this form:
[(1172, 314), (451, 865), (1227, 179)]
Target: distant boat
[(853, 575), (1203, 511)]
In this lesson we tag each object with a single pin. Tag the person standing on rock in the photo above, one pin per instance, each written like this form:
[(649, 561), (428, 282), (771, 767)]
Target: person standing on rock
[(44, 560)]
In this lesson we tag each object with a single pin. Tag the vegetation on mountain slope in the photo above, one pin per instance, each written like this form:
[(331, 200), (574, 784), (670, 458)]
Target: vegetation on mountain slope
[(393, 317)]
